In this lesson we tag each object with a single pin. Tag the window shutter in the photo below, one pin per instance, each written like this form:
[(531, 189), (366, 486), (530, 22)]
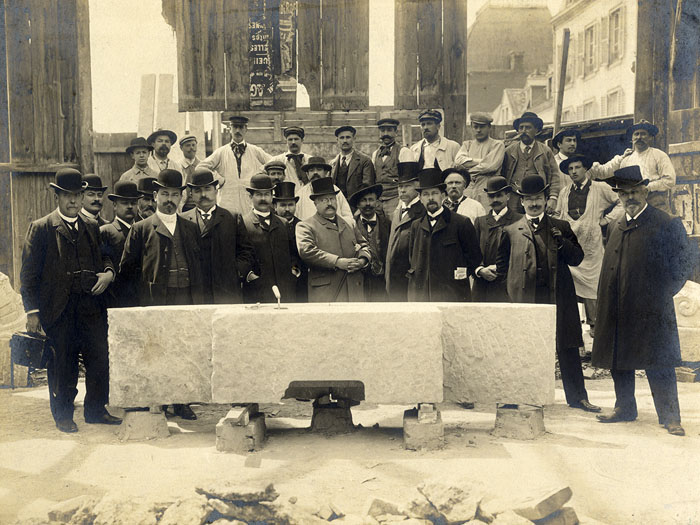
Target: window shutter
[(623, 32), (604, 106), (596, 46), (580, 58), (579, 113), (621, 102), (604, 40)]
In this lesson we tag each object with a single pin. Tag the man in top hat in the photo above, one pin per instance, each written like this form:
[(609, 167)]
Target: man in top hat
[(333, 249), (386, 159), (434, 151), (534, 256), (457, 181), (273, 241), (482, 156), (93, 196), (188, 146), (351, 169), (587, 206), (236, 163), (410, 209), (284, 202), (316, 168), (527, 156), (375, 227), (489, 229), (442, 246), (64, 273), (147, 202), (226, 253), (113, 235), (566, 142), (294, 159), (140, 150), (161, 256), (162, 141), (647, 260), (276, 171)]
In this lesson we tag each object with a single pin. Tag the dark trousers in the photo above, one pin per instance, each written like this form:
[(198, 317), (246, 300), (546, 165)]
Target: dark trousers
[(178, 296), (80, 330), (664, 390), (571, 375), (590, 306)]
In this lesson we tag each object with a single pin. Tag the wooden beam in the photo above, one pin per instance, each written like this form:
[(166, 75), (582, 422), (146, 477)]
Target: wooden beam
[(454, 77), (4, 107), (561, 81), (405, 53), (237, 92), (430, 53), (309, 38), (212, 45), (189, 55), (82, 26)]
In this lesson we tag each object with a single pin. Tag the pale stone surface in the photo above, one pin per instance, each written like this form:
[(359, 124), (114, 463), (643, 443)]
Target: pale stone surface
[(12, 319), (453, 503), (565, 516), (194, 510), (379, 507), (419, 435), (510, 518), (542, 506), (159, 355), (519, 422), (116, 510), (139, 426), (499, 353), (258, 353), (76, 509), (687, 303), (232, 437)]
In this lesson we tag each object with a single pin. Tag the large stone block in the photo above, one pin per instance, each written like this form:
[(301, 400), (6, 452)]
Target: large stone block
[(393, 349), (687, 303), (12, 319), (160, 355), (499, 353)]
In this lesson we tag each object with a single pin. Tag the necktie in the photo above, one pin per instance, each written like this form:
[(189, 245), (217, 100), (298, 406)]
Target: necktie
[(369, 224), (385, 150), (297, 159), (528, 149), (264, 220), (163, 164), (344, 164), (535, 222), (238, 149), (404, 211)]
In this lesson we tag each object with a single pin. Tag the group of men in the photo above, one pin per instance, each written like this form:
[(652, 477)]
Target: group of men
[(404, 224)]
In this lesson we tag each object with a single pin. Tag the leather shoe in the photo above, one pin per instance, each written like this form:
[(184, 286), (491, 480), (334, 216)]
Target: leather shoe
[(67, 425), (586, 405), (675, 429), (104, 419), (185, 412), (617, 416)]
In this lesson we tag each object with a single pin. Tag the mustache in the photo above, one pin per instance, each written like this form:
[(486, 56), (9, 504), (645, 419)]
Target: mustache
[(96, 203), (385, 136)]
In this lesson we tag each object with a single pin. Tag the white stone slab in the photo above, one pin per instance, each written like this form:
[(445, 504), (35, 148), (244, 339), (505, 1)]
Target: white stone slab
[(687, 303), (500, 353), (394, 349)]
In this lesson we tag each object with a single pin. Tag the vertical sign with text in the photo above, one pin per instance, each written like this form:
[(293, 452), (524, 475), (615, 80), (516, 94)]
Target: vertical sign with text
[(262, 79)]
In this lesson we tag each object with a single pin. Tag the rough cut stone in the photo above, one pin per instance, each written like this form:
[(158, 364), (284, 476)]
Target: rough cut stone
[(116, 510), (687, 303), (159, 355), (139, 426), (259, 352), (12, 319), (421, 508), (453, 503), (233, 437), (380, 507), (565, 516), (80, 508), (540, 507), (239, 493), (194, 510), (519, 421), (499, 353), (510, 518), (419, 435)]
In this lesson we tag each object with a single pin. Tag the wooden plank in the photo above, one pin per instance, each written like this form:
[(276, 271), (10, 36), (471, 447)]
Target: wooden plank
[(6, 248), (430, 53), (82, 27), (237, 92), (4, 107), (212, 34), (167, 116), (405, 53), (68, 81), (454, 88), (309, 38), (188, 32), (147, 104)]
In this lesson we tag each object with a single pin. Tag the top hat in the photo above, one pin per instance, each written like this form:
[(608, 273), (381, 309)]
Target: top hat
[(430, 114), (294, 130), (570, 132), (408, 171), (351, 129), (146, 186), (430, 178), (460, 171), (68, 179), (315, 162), (323, 186), (642, 124), (235, 119), (284, 191), (94, 182), (355, 197), (528, 116), (274, 165), (138, 142), (124, 190), (480, 118), (497, 184), (576, 157), (187, 138), (201, 177), (170, 134), (532, 185), (168, 178), (628, 177), (260, 182), (388, 122)]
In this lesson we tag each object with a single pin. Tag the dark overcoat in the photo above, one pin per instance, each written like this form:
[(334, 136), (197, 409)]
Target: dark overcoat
[(397, 259), (375, 283), (360, 172), (302, 286), (645, 264), (120, 293), (435, 254), (517, 264)]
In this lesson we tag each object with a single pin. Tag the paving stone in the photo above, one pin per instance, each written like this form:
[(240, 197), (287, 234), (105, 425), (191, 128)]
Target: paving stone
[(422, 436), (540, 507), (159, 355), (239, 492), (193, 511), (565, 516), (499, 353), (519, 421), (453, 503)]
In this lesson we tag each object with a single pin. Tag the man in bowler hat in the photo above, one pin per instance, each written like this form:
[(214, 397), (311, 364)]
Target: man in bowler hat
[(162, 141), (284, 202), (316, 168), (147, 202), (140, 150), (93, 196)]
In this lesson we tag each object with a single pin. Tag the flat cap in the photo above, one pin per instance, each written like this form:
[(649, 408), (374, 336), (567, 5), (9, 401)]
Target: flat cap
[(351, 129), (274, 165), (294, 130), (430, 114), (187, 138), (480, 118), (236, 119), (388, 122)]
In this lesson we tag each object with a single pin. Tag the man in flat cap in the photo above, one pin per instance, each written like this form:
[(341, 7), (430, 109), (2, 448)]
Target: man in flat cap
[(442, 246), (433, 150), (188, 146), (147, 202), (284, 202), (457, 180), (162, 141), (647, 260), (566, 142), (351, 169), (334, 250), (226, 253), (482, 156), (64, 274), (273, 241), (276, 170), (410, 209), (527, 156), (93, 197), (317, 168), (140, 150), (294, 158), (236, 163), (386, 160)]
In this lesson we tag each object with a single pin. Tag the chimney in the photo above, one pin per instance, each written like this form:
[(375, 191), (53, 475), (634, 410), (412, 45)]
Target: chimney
[(516, 61)]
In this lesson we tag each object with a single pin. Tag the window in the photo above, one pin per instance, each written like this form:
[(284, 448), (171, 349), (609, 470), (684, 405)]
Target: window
[(590, 62), (589, 110), (615, 35), (613, 102), (568, 115)]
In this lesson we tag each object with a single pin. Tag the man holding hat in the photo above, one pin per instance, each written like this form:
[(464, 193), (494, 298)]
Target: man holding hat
[(284, 202), (146, 203), (457, 181), (294, 159), (482, 156), (565, 142), (93, 196), (442, 246), (188, 146), (140, 151), (276, 170), (333, 249), (273, 241), (489, 229), (647, 260), (351, 169), (64, 273), (317, 168), (409, 209), (526, 157), (534, 256), (226, 254), (162, 141), (386, 160), (375, 227), (434, 151), (236, 163)]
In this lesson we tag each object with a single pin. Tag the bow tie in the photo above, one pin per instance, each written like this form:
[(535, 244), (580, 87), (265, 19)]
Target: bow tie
[(238, 149), (369, 223), (263, 219), (535, 222), (206, 216), (385, 150), (295, 156)]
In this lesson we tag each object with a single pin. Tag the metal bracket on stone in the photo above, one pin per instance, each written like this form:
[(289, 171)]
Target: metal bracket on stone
[(519, 421), (241, 431), (423, 428)]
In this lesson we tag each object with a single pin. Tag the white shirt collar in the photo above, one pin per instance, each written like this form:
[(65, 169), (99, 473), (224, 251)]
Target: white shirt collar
[(88, 214), (523, 146), (128, 226), (585, 183), (243, 142), (210, 212), (65, 218), (186, 163), (434, 216), (405, 206), (538, 217), (636, 216), (373, 218), (261, 213), (346, 156), (500, 214), (170, 221)]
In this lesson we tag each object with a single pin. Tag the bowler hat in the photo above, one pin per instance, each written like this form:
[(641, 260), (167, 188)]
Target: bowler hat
[(571, 132), (532, 185), (94, 182), (201, 177), (355, 197), (628, 177), (187, 138), (642, 124), (480, 118), (351, 129), (294, 130), (275, 165), (408, 171), (459, 171), (531, 117), (235, 119), (68, 179), (388, 122), (316, 162), (576, 157), (260, 182), (170, 134), (430, 114), (284, 191), (430, 178), (124, 190), (168, 178), (497, 184), (323, 186), (146, 186), (138, 142)]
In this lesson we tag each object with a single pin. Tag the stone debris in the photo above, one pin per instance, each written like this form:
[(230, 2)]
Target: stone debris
[(379, 507), (564, 516), (75, 510), (239, 493), (453, 503), (519, 421), (510, 518), (194, 510), (543, 506)]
